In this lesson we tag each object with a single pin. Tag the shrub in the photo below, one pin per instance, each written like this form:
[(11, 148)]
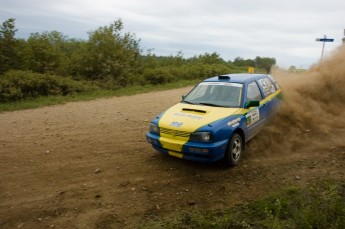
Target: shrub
[(158, 76), (19, 85)]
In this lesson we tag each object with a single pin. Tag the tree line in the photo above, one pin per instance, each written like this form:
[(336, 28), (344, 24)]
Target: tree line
[(50, 63)]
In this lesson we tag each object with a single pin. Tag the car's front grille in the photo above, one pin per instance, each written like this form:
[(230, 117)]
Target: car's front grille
[(173, 133)]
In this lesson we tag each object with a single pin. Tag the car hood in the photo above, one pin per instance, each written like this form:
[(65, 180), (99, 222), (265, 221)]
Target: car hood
[(188, 117)]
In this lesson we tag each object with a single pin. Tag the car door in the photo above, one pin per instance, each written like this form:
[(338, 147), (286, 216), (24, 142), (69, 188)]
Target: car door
[(256, 116)]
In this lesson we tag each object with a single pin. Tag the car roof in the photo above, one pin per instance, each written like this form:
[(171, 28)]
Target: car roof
[(235, 78)]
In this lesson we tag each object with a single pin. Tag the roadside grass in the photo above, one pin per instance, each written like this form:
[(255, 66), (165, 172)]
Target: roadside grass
[(319, 205), (54, 100)]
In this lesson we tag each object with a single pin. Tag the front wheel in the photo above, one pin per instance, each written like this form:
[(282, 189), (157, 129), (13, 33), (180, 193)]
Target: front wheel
[(233, 153)]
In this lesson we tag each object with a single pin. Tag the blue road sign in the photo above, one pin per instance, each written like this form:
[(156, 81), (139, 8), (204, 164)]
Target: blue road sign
[(325, 39)]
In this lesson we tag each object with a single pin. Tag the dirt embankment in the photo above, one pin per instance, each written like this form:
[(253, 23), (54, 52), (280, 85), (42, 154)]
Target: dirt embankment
[(87, 164)]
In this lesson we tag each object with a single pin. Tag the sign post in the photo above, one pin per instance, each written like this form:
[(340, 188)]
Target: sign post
[(324, 40)]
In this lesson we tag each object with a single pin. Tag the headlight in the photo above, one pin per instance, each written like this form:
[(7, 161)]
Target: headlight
[(201, 136), (154, 128)]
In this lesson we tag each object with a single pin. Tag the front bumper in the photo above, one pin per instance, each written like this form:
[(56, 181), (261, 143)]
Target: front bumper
[(194, 151)]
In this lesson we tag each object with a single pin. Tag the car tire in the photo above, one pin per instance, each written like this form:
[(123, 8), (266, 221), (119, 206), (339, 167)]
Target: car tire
[(234, 150)]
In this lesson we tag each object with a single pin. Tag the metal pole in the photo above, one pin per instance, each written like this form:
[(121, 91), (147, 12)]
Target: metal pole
[(323, 47)]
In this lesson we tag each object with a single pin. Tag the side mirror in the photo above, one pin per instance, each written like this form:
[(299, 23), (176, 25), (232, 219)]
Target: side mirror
[(183, 97), (252, 104)]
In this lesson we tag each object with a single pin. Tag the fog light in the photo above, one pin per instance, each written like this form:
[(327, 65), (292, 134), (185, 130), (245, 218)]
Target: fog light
[(152, 141), (204, 150)]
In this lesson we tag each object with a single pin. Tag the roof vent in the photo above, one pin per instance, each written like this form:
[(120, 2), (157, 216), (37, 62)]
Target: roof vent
[(224, 77)]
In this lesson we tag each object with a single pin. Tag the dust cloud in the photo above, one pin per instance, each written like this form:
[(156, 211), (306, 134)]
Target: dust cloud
[(313, 109)]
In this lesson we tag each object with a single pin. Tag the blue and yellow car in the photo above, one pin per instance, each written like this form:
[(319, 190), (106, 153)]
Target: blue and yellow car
[(215, 119)]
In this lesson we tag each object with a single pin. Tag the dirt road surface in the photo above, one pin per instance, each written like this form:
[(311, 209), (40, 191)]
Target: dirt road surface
[(88, 165)]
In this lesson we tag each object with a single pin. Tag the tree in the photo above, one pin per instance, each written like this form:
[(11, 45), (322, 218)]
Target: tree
[(8, 45), (239, 61), (206, 58), (110, 55), (265, 63), (45, 53)]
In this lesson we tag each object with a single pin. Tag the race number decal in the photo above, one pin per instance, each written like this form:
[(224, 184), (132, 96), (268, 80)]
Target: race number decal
[(253, 117), (267, 86)]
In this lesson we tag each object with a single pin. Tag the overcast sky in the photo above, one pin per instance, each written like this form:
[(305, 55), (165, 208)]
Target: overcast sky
[(285, 30)]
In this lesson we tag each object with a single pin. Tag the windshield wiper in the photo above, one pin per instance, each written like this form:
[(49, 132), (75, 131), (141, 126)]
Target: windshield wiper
[(211, 104)]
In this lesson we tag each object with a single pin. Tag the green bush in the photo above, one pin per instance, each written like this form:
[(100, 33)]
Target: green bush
[(203, 71), (19, 85), (158, 76), (162, 75)]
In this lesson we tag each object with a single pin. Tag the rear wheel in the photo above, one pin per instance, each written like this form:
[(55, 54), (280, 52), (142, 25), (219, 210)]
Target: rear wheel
[(233, 153)]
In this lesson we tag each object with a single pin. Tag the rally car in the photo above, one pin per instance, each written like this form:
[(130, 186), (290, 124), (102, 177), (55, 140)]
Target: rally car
[(215, 119)]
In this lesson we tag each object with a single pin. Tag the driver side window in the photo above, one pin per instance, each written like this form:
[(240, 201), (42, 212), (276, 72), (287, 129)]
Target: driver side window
[(253, 92)]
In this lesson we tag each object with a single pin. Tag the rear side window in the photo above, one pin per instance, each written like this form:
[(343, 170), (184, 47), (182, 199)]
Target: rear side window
[(267, 86), (274, 82), (253, 92)]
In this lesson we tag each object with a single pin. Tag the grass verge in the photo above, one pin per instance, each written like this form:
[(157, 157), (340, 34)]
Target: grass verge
[(320, 205), (53, 100)]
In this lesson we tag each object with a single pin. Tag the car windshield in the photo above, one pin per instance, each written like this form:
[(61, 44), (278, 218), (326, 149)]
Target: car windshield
[(216, 94)]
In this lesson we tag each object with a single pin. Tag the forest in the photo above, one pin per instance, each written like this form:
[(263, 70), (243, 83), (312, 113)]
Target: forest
[(50, 63)]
